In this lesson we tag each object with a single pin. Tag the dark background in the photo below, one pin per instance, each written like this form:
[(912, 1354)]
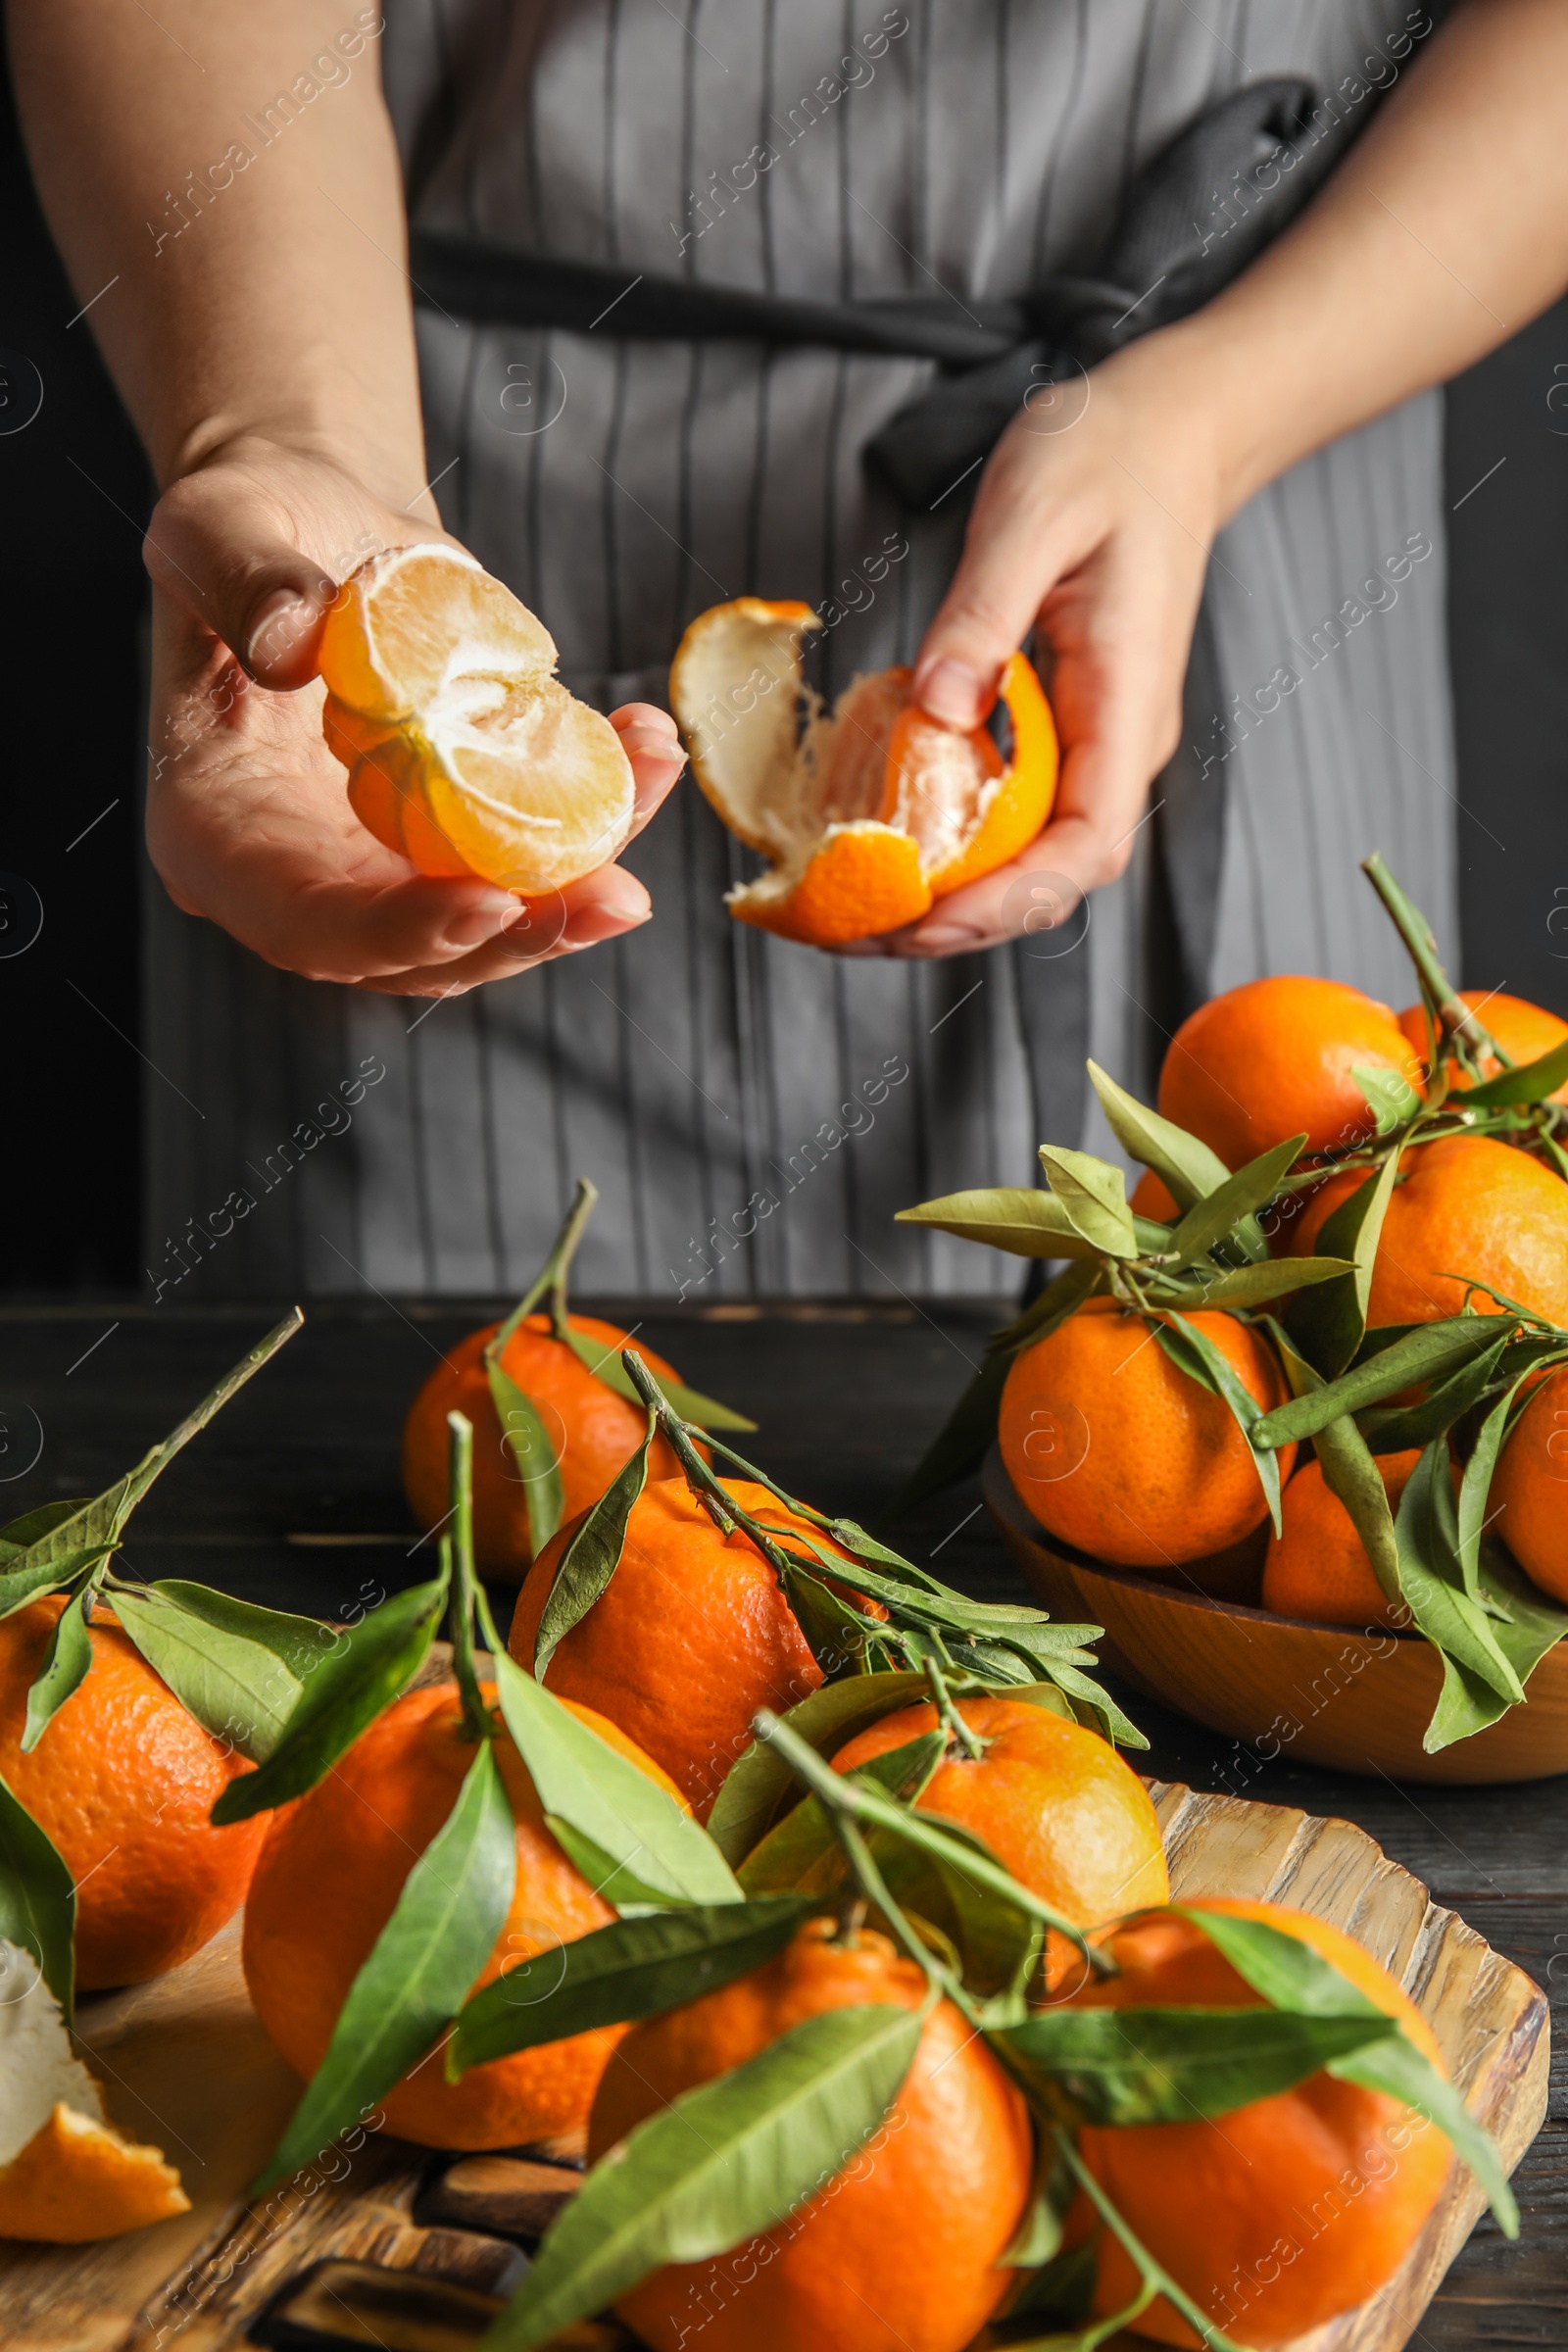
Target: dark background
[(74, 496)]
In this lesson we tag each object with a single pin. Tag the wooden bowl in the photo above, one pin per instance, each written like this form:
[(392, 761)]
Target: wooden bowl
[(1325, 1693)]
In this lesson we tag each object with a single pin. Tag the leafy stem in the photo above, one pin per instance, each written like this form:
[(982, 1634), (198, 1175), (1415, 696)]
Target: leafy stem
[(550, 1283), (1453, 1012), (951, 1716), (1152, 2273), (456, 1550)]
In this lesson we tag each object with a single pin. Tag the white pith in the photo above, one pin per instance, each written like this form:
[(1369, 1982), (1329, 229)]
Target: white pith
[(37, 2072)]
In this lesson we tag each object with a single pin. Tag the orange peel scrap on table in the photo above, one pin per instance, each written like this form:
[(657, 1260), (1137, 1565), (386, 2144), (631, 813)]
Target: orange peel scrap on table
[(66, 2176), (867, 814)]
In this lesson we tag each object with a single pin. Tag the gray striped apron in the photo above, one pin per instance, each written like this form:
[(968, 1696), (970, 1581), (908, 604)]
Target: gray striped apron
[(752, 1111)]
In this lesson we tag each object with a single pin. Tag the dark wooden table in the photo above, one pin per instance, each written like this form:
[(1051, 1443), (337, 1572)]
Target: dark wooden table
[(293, 1497)]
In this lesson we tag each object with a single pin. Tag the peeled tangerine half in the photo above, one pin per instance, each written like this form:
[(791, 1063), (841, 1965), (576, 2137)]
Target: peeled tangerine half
[(868, 813), (463, 751), (65, 2171)]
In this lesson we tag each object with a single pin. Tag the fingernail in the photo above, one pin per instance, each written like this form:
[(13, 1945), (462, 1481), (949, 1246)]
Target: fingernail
[(482, 919), (278, 627), (605, 920), (952, 692), (944, 939)]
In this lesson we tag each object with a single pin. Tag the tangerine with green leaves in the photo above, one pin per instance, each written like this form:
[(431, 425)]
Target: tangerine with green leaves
[(1530, 1488), (1317, 1565), (690, 1637), (1282, 2213), (1523, 1030), (1052, 1800), (1121, 1455), (591, 1432), (329, 1878), (1465, 1209), (122, 1782), (1274, 1058), (901, 2250)]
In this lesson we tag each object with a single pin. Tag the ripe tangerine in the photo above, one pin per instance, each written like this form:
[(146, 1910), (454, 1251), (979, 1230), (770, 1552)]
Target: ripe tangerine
[(1530, 1488), (1273, 1058), (1317, 1565)]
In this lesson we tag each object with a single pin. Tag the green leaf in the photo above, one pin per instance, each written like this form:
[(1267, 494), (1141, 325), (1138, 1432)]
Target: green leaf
[(1244, 1285), (803, 1855), (1426, 1531), (1188, 1169), (1194, 1352), (67, 1663), (49, 1576), (1476, 1487), (999, 1940), (1531, 1082), (718, 2165), (1289, 1975), (240, 1687), (760, 1779), (688, 1404), (1533, 1624), (1389, 1095), (1328, 1325), (37, 1897), (371, 1665), (592, 1792), (1094, 1196), (529, 1443), (1028, 1223), (592, 1556), (89, 1530), (20, 1534), (1178, 2066), (1396, 1428), (634, 1968), (452, 1909), (1350, 1472), (1212, 1218), (1429, 1351)]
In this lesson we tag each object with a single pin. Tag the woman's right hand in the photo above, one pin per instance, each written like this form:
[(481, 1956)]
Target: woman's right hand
[(248, 819)]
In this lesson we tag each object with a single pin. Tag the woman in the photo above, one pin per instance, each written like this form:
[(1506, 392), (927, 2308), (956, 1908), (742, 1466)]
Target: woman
[(229, 196)]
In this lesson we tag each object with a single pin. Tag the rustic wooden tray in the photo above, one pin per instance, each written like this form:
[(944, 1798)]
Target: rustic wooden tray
[(1325, 1692), (186, 2066)]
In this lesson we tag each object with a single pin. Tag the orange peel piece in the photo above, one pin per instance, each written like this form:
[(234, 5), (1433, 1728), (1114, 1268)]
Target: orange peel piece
[(66, 2174), (464, 752), (867, 814)]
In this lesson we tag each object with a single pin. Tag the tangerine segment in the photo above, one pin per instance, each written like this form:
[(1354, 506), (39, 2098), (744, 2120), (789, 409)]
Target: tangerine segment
[(929, 809), (465, 756), (66, 2175)]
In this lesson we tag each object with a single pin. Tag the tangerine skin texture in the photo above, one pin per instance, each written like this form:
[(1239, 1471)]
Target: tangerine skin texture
[(899, 2253), (1317, 1565), (77, 2180), (1523, 1030), (123, 1781), (1273, 1058), (595, 1429), (329, 1881), (1464, 1206), (1279, 2214), (1530, 1488), (1167, 1476), (691, 1636), (1052, 1800)]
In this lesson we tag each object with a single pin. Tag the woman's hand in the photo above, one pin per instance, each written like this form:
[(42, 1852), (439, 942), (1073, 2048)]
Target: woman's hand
[(248, 819), (1093, 527)]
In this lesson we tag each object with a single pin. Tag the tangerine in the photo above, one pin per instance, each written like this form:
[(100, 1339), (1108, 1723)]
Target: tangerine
[(1052, 1800), (1152, 1197), (1530, 1488), (1523, 1030), (329, 1878), (691, 1636), (1279, 2214), (900, 2251), (1317, 1565), (1274, 1058), (876, 812), (464, 753), (1465, 1206), (1118, 1452), (123, 1781), (592, 1431)]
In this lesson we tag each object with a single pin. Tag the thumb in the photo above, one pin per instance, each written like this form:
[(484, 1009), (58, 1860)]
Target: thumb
[(214, 547), (989, 610)]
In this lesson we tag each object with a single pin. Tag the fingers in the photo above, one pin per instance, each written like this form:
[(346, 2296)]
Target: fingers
[(215, 547), (651, 743)]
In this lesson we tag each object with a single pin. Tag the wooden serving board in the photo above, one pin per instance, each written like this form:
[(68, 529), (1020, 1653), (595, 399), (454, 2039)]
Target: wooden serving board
[(185, 2064)]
